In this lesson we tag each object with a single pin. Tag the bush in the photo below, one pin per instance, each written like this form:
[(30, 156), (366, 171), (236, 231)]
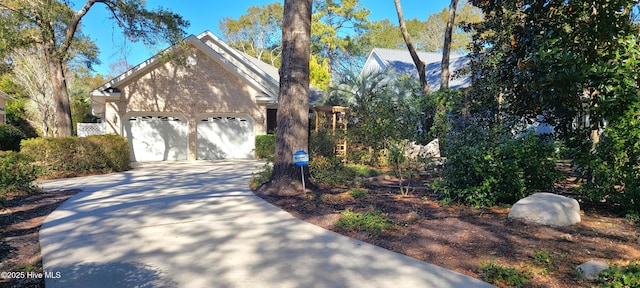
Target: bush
[(73, 156), (17, 172), (265, 146), (261, 177), (489, 166), (330, 172), (615, 169), (322, 144), (621, 276), (10, 138)]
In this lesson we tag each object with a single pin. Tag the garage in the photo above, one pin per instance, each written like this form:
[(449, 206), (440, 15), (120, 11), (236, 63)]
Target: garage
[(157, 137), (224, 137)]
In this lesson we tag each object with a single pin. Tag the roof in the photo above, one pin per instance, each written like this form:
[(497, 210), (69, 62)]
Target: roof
[(315, 93), (5, 96), (401, 61), (262, 76)]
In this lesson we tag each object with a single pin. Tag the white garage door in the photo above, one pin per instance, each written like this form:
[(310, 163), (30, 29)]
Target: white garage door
[(157, 138), (224, 137)]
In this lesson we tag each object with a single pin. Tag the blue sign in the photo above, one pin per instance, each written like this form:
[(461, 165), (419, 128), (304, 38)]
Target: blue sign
[(301, 158)]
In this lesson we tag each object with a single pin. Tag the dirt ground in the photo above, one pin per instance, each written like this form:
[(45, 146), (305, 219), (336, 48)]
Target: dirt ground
[(20, 220), (461, 238), (452, 236)]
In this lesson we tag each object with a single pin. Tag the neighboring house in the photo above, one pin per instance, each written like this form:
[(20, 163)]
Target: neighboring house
[(209, 105), (3, 99), (400, 60)]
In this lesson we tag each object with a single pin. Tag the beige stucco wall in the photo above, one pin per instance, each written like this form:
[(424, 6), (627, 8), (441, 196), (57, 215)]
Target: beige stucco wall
[(190, 91)]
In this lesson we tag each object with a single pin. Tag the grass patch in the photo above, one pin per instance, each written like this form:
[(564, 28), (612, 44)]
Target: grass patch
[(372, 222), (503, 276), (364, 171), (357, 193)]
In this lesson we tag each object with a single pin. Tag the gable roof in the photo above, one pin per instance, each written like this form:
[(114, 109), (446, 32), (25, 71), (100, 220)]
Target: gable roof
[(229, 58), (262, 76), (5, 96), (401, 62)]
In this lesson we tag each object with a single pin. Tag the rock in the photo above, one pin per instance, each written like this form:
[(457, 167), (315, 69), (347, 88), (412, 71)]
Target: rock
[(431, 150), (547, 209), (590, 270)]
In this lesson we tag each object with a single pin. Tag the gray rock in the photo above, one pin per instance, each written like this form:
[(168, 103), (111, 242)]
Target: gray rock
[(547, 209), (431, 150), (590, 270)]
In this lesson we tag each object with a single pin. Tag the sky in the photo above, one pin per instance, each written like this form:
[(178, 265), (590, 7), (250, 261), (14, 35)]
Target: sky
[(206, 15)]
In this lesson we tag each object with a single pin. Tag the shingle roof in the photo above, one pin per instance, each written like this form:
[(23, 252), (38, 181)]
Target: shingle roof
[(400, 60), (5, 96), (315, 93)]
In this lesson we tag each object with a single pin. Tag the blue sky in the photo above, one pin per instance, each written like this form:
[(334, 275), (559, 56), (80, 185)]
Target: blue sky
[(206, 15)]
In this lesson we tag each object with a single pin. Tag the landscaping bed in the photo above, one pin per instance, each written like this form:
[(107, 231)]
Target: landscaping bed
[(20, 219), (481, 243)]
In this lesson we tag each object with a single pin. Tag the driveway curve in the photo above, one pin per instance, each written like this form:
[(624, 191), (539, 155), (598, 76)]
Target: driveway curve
[(196, 224)]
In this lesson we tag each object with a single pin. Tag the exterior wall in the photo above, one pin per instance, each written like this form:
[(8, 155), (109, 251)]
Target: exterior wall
[(204, 88)]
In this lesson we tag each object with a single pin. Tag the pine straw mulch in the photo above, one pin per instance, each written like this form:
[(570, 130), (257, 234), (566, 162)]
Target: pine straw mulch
[(463, 239), (20, 219)]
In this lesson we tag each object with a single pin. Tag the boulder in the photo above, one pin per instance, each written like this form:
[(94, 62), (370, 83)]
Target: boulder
[(590, 270), (431, 150), (547, 209)]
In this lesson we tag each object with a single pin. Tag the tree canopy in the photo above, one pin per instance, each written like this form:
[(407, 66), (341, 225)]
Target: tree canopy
[(52, 27)]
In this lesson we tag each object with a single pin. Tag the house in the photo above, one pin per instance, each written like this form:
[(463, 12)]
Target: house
[(206, 101), (400, 61), (3, 99)]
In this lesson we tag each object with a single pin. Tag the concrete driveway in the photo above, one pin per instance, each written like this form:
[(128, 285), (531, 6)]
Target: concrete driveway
[(196, 224)]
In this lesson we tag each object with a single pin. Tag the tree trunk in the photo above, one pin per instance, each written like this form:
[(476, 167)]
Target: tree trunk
[(61, 99), (446, 50), (414, 55), (292, 132)]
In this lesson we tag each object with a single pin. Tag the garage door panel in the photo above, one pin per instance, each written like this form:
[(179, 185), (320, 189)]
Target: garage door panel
[(225, 138), (157, 138)]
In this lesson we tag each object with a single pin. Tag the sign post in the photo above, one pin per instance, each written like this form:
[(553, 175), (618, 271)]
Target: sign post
[(301, 158)]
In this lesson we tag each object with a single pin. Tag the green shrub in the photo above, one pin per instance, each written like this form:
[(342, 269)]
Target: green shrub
[(322, 144), (73, 156), (621, 276), (488, 166), (372, 222), (10, 138), (261, 176), (265, 146), (503, 276), (17, 172), (330, 172), (615, 169)]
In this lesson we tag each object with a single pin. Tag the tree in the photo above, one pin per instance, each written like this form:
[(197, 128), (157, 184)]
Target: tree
[(430, 37), (337, 29), (256, 32), (293, 116), (573, 62), (53, 26), (446, 50), (30, 72), (420, 66)]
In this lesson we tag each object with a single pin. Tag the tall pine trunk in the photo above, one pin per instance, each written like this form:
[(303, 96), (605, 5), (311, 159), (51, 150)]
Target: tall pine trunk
[(420, 66), (446, 49), (292, 132)]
